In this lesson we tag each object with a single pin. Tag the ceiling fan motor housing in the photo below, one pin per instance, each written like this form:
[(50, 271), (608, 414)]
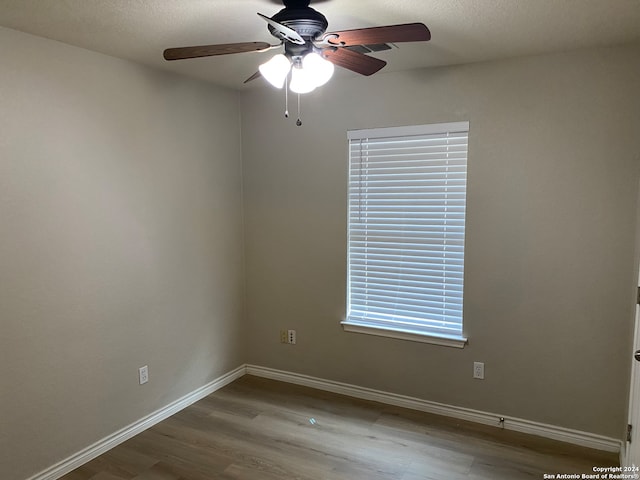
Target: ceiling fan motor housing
[(298, 16)]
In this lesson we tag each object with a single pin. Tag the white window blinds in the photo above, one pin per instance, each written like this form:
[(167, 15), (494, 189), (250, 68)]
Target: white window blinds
[(407, 197)]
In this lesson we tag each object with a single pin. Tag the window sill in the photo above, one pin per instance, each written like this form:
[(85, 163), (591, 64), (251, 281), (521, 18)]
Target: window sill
[(447, 341)]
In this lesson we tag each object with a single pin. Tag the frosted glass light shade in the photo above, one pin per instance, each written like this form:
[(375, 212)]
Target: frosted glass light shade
[(320, 69), (302, 80), (275, 71)]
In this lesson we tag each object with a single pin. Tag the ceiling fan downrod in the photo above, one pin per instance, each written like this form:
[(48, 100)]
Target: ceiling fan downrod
[(296, 3)]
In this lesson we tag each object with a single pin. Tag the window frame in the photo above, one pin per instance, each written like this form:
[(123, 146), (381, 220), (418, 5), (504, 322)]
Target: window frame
[(382, 328)]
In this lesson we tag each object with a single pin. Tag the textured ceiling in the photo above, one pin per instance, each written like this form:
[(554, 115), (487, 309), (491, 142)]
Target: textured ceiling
[(462, 30)]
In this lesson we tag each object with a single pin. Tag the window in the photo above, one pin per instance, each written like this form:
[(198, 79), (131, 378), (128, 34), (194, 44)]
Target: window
[(407, 201)]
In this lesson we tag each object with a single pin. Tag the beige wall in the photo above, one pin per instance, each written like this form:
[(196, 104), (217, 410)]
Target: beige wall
[(121, 245), (553, 174)]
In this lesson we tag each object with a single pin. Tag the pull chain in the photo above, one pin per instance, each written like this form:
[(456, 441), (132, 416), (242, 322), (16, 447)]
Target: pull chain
[(286, 97), (298, 122)]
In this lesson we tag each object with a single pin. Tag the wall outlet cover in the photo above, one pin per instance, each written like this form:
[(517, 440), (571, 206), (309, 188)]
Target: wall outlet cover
[(143, 374), (478, 370)]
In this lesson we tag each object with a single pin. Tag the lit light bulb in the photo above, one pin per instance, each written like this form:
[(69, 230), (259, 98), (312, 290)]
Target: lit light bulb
[(275, 71), (320, 69), (302, 80)]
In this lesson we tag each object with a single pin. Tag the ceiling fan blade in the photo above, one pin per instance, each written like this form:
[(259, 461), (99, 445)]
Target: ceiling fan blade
[(286, 32), (253, 77), (408, 32), (211, 50), (354, 61)]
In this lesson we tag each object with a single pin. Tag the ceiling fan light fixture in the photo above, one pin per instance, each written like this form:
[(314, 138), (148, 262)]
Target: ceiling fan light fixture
[(319, 69), (275, 71)]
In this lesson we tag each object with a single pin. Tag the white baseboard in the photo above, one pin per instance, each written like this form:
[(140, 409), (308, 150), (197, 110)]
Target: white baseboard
[(107, 443), (575, 437)]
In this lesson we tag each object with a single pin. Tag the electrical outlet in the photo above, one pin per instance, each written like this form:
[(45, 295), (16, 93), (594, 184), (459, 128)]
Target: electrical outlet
[(478, 370), (284, 336), (292, 337), (143, 374)]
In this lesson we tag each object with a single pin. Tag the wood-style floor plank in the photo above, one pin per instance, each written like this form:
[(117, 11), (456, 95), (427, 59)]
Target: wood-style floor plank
[(259, 429)]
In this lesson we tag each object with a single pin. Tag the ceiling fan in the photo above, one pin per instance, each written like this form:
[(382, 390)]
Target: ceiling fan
[(309, 52)]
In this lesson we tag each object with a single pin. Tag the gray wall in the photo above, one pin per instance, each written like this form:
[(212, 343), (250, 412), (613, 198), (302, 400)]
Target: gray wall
[(553, 175), (121, 245)]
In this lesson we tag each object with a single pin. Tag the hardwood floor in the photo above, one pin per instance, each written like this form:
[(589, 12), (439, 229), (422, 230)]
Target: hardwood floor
[(259, 429)]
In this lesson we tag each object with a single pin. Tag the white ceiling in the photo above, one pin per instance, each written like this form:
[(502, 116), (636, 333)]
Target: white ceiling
[(462, 30)]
